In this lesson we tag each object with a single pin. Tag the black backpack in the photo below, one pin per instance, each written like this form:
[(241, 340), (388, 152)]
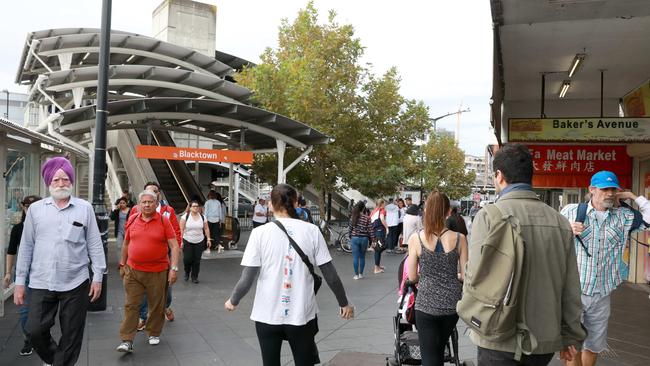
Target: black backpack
[(581, 215), (187, 215)]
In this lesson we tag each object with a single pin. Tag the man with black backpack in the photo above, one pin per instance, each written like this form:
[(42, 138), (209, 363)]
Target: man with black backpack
[(521, 293), (602, 227)]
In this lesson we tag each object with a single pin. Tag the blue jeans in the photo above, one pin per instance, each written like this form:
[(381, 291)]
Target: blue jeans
[(144, 308), (380, 235), (359, 247)]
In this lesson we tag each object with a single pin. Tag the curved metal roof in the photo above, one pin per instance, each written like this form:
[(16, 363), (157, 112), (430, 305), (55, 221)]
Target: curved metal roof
[(126, 48), (148, 81), (219, 120)]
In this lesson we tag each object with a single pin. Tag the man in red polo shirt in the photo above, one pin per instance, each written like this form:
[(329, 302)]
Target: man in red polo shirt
[(145, 268)]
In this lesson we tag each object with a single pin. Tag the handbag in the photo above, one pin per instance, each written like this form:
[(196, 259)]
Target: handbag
[(318, 280)]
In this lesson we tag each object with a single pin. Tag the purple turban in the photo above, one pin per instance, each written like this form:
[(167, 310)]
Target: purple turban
[(53, 165)]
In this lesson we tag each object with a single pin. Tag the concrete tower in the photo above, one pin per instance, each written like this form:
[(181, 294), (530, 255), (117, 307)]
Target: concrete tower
[(186, 23)]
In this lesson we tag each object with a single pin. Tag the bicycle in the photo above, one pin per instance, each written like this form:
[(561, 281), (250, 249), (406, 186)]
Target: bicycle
[(342, 241)]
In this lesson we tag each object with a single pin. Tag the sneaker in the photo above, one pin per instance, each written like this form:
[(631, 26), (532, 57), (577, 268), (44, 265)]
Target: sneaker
[(169, 315), (154, 341), (141, 324), (186, 277), (360, 276), (356, 277), (125, 346), (195, 281), (27, 349)]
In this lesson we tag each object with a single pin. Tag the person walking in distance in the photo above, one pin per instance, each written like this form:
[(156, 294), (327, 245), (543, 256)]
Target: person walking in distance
[(12, 250), (214, 218), (60, 238), (145, 267), (284, 254), (196, 236), (120, 215), (412, 219), (545, 309), (599, 244), (260, 213), (392, 220), (359, 231), (379, 228)]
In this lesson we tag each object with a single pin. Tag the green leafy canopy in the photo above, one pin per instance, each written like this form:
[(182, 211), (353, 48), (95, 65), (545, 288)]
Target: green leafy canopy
[(315, 76)]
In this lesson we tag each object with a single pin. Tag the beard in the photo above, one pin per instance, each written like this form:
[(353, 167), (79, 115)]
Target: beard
[(60, 193), (607, 203)]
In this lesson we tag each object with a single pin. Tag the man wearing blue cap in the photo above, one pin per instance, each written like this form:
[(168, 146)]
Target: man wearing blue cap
[(599, 244)]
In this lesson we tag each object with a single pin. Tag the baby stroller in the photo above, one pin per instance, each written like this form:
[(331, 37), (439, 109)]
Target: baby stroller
[(407, 344)]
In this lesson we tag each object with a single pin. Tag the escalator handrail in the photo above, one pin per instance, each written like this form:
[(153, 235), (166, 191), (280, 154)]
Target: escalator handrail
[(171, 169)]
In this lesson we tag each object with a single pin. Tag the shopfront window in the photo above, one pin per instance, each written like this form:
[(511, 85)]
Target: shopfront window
[(18, 185)]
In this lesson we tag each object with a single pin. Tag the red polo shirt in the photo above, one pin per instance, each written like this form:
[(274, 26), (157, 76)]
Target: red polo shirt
[(148, 243)]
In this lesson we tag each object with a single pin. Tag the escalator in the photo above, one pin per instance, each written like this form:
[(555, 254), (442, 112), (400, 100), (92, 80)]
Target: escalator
[(174, 176)]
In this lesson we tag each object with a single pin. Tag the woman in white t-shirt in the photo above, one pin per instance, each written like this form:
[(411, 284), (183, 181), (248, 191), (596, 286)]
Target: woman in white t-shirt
[(285, 303), (196, 232)]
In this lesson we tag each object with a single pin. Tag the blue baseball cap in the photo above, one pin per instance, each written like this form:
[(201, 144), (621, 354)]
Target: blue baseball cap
[(604, 179)]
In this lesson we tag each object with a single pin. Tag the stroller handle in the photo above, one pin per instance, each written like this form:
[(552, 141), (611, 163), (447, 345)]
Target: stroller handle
[(409, 284)]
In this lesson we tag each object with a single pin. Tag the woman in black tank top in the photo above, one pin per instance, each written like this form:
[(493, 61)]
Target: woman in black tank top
[(440, 255)]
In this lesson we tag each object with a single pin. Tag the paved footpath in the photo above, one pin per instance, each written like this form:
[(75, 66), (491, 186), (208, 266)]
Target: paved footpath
[(205, 334)]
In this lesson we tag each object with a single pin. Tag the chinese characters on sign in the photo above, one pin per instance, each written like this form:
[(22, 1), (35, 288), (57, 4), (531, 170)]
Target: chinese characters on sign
[(568, 166)]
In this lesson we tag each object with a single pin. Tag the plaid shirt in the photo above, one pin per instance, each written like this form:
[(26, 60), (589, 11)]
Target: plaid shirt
[(605, 241)]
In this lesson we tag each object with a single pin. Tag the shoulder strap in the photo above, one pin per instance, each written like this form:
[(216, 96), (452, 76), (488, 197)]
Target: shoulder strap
[(296, 247), (581, 215), (187, 216), (638, 217)]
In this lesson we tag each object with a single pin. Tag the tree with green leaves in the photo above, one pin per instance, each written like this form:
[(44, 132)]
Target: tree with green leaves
[(315, 76), (443, 168)]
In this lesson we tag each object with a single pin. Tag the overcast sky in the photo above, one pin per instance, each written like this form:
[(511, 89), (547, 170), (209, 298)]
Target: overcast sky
[(442, 49)]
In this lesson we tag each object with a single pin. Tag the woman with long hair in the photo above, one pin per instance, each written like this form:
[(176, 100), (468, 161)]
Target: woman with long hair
[(438, 253), (195, 230), (359, 230), (379, 231), (285, 301)]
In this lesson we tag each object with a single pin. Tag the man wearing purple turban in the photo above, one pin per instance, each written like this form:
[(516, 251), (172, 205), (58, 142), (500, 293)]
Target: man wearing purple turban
[(60, 238)]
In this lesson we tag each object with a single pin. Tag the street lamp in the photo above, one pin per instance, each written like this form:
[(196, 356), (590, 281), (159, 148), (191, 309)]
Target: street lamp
[(435, 121), (6, 113)]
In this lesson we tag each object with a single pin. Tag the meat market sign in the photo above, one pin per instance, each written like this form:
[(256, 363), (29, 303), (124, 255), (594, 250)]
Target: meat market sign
[(568, 166), (627, 129)]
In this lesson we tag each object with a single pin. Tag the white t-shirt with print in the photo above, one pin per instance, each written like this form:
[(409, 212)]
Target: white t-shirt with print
[(392, 214), (193, 229), (260, 209), (285, 288)]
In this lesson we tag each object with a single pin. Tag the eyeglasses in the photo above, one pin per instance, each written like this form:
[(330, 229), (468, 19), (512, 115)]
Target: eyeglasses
[(194, 206)]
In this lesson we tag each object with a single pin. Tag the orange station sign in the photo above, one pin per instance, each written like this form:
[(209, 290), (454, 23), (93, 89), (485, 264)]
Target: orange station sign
[(184, 153)]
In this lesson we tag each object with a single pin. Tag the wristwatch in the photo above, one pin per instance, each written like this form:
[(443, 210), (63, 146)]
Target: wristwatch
[(174, 268)]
